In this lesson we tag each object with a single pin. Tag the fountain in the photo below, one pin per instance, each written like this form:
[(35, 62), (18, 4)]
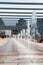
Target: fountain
[(23, 32), (28, 29), (34, 28)]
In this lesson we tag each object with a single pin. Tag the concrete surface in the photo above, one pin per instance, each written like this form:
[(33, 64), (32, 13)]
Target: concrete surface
[(20, 52)]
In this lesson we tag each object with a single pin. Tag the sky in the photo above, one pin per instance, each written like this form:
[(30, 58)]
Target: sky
[(25, 1), (21, 1)]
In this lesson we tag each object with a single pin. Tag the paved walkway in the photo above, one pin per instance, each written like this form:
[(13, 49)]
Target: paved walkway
[(22, 52)]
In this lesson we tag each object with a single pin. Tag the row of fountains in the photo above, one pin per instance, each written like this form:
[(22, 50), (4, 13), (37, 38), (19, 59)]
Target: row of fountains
[(32, 29)]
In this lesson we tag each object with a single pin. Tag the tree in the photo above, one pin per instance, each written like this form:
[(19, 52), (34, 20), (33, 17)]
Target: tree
[(21, 22), (1, 22)]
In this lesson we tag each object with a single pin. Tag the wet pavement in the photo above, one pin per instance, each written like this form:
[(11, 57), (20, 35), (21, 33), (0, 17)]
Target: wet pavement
[(21, 52)]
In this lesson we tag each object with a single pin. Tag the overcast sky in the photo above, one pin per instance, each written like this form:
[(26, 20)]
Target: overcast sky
[(21, 0), (28, 1)]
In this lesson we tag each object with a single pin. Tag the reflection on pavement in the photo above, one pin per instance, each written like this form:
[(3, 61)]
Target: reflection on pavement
[(21, 52)]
